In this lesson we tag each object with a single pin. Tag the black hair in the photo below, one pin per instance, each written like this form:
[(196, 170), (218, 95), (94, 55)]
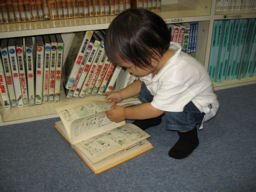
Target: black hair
[(138, 36)]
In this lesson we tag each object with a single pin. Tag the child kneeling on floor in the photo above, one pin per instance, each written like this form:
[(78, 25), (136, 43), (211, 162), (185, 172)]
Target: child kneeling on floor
[(170, 82)]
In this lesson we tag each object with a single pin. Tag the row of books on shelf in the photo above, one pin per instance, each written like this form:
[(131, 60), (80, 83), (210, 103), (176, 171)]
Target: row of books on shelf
[(186, 35), (233, 50), (12, 11), (88, 70), (30, 70), (222, 5)]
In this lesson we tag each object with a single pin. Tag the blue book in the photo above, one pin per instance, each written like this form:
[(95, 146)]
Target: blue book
[(241, 43), (214, 51), (251, 42), (221, 50), (252, 58), (233, 51)]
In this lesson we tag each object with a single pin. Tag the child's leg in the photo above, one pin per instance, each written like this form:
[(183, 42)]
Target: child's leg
[(186, 123), (145, 97)]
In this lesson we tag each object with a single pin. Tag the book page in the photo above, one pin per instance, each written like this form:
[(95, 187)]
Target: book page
[(116, 158), (110, 142), (70, 113), (87, 127)]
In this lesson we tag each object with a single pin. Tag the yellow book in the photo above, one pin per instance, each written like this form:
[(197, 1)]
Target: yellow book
[(99, 142)]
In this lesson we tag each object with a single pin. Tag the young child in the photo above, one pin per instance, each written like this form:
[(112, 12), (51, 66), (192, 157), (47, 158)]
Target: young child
[(170, 82)]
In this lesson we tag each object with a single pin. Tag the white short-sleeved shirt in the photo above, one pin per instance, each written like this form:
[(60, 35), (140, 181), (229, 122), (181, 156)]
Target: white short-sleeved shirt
[(181, 80)]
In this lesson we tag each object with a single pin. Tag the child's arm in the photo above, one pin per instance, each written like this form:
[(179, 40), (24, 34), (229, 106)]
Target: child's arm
[(130, 91), (143, 111)]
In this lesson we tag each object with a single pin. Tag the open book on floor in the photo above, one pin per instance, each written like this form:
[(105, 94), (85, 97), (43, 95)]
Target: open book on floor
[(100, 143)]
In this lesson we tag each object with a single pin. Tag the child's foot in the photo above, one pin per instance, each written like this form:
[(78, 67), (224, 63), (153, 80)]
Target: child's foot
[(187, 142), (144, 124)]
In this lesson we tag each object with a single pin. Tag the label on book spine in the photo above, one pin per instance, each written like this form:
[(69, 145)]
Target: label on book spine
[(74, 72), (15, 71)]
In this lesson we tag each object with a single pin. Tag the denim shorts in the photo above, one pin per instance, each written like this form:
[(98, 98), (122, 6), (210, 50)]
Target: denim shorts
[(188, 119)]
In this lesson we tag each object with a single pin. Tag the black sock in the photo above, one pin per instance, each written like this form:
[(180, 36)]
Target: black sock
[(187, 142), (144, 124)]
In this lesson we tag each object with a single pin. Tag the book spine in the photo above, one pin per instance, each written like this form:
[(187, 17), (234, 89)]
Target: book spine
[(84, 70), (186, 38), (98, 68), (10, 11), (214, 51), (104, 84), (7, 71), (181, 34), (47, 61), (16, 11), (251, 45), (34, 14), (39, 8), (100, 78), (241, 44), (15, 71), (113, 79), (21, 9), (30, 68), (52, 67), (52, 6), (60, 48), (86, 8), (228, 50), (27, 7), (45, 10), (39, 69), (59, 8), (22, 71), (65, 8), (83, 54), (74, 76), (3, 88), (92, 65), (234, 51)]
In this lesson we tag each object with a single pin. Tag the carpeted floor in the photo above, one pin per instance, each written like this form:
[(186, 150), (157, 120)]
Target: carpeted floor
[(35, 158)]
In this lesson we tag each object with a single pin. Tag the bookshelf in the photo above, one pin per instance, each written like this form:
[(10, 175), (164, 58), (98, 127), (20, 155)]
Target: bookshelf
[(172, 11)]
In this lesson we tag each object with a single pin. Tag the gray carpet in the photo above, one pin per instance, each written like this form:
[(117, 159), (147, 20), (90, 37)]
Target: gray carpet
[(35, 158)]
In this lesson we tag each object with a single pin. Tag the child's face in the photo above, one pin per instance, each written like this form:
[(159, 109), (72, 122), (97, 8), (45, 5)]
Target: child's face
[(135, 70)]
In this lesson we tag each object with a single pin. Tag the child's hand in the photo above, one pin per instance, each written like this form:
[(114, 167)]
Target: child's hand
[(113, 97), (116, 113)]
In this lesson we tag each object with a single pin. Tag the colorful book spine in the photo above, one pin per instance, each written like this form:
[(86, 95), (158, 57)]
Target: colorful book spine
[(7, 71), (60, 49), (39, 69), (47, 61), (92, 68), (74, 76), (105, 64), (113, 79), (15, 71), (16, 11), (98, 67), (39, 8), (105, 81), (52, 67), (3, 88), (22, 71), (30, 68), (84, 70)]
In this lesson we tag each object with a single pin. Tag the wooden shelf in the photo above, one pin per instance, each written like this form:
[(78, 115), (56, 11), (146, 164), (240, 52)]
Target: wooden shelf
[(234, 83)]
